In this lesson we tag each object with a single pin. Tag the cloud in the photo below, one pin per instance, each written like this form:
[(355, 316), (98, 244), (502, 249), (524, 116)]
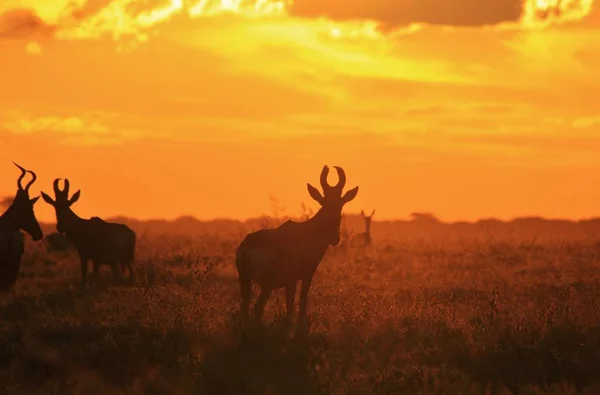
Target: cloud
[(140, 20), (23, 24), (393, 13), (285, 78), (566, 148), (118, 19), (87, 129), (587, 122), (33, 48), (232, 78)]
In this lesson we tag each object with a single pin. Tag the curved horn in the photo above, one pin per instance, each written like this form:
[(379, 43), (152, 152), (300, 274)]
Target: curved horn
[(33, 178), (57, 190), (324, 174), (23, 172), (341, 178)]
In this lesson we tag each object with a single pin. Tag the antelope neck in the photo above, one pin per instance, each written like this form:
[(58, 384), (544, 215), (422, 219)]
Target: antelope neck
[(71, 220), (317, 221), (7, 220)]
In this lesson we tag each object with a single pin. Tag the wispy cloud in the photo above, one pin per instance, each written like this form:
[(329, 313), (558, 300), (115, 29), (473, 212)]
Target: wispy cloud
[(33, 47), (85, 129)]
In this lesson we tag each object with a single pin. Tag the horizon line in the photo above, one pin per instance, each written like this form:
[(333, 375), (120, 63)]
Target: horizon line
[(410, 218)]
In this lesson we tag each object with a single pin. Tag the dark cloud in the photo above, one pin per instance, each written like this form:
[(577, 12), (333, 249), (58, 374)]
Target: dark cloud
[(22, 23), (89, 8), (402, 12)]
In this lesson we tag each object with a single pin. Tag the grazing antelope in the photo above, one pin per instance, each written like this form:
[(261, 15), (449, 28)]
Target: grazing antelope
[(280, 257), (104, 243), (18, 216)]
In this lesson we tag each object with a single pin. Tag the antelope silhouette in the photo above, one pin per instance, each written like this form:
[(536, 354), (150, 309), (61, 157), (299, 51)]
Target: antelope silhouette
[(18, 216), (104, 243), (280, 257), (364, 238)]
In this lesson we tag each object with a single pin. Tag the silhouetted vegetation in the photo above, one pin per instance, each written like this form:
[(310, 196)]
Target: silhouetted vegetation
[(474, 315), (57, 242)]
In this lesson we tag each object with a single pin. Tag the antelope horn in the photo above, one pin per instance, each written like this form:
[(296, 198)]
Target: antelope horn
[(23, 172), (65, 190), (33, 178), (373, 213), (324, 174), (341, 178), (57, 190)]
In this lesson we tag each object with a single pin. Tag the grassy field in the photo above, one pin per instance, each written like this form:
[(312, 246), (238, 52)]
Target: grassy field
[(399, 318)]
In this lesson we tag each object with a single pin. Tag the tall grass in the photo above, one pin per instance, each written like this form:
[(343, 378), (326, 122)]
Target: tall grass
[(424, 317)]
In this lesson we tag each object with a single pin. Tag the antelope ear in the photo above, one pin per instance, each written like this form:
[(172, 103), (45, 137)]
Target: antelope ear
[(75, 197), (35, 199), (48, 199), (315, 194), (350, 195)]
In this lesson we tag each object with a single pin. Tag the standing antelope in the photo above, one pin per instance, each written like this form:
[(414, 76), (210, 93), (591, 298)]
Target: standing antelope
[(364, 238), (104, 243), (280, 257), (18, 216)]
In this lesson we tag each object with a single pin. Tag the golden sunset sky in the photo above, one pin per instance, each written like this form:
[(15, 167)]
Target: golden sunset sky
[(156, 109)]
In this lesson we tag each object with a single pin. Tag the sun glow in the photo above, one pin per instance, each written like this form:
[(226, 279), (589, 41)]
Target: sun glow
[(136, 19), (542, 13)]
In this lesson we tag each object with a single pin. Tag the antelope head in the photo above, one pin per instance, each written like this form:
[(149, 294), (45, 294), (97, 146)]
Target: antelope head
[(332, 203), (21, 209), (367, 219), (62, 204)]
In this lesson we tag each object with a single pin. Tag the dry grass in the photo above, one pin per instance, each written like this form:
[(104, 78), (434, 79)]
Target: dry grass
[(460, 318)]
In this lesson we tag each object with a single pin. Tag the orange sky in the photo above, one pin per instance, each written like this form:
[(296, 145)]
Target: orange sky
[(163, 108)]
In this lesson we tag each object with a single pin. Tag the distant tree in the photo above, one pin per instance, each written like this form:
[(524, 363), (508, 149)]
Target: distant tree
[(424, 217)]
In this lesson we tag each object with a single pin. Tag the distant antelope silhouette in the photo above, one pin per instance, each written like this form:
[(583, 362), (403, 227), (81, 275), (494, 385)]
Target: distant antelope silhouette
[(18, 216), (280, 257), (104, 243), (364, 238)]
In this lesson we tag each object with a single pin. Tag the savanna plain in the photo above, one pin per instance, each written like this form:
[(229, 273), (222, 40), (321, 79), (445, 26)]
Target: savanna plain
[(417, 312)]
